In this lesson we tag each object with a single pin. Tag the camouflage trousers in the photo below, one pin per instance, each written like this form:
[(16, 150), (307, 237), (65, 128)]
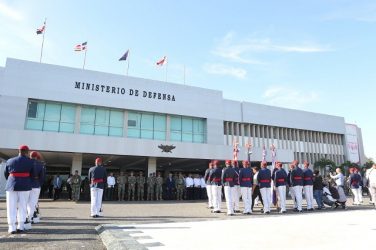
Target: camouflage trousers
[(140, 192), (131, 189), (150, 195), (75, 192), (121, 191), (179, 192), (158, 192)]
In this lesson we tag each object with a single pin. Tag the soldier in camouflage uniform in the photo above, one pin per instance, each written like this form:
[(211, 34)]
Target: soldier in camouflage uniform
[(140, 186), (76, 186), (158, 187), (131, 186), (121, 181), (150, 184), (179, 183)]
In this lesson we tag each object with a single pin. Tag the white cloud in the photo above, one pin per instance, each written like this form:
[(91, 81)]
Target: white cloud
[(9, 12), (289, 97), (221, 69), (241, 50)]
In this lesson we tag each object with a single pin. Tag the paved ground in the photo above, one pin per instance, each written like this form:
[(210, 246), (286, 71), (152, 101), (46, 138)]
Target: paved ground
[(306, 231), (67, 225)]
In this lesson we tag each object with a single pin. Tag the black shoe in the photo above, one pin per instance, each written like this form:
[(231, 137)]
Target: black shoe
[(20, 231), (13, 232), (94, 216), (311, 209), (230, 215), (216, 212), (300, 211), (296, 210), (284, 212)]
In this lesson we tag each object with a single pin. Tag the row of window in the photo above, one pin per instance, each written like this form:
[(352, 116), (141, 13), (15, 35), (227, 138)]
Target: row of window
[(263, 131), (60, 117)]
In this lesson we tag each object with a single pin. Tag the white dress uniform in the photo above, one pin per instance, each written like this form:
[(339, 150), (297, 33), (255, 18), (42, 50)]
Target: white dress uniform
[(371, 176), (18, 172)]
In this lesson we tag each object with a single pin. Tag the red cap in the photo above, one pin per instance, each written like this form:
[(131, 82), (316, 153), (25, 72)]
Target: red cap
[(245, 163), (34, 154), (98, 160), (23, 147), (228, 162)]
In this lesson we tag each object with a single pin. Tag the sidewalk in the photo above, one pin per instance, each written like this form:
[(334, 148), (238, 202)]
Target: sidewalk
[(67, 225)]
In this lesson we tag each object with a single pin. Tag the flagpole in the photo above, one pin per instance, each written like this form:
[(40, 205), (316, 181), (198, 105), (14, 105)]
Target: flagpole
[(128, 61), (166, 70), (44, 31), (83, 67)]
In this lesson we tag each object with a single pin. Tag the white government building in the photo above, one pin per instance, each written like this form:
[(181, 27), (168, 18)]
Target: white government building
[(72, 116)]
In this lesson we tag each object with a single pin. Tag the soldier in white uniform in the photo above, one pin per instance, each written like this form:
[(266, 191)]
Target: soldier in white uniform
[(18, 171)]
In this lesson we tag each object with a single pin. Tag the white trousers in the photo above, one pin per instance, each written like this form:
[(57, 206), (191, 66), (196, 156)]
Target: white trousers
[(308, 193), (217, 197), (236, 197), (281, 194), (210, 195), (96, 200), (360, 194), (16, 209), (356, 196), (33, 201), (229, 194), (372, 190), (266, 198), (296, 194), (247, 199)]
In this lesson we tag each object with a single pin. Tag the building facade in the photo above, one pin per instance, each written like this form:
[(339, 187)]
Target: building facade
[(72, 116)]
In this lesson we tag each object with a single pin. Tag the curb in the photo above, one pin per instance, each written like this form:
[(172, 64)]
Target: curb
[(115, 238)]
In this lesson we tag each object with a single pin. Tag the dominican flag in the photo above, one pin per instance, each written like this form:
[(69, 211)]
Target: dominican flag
[(41, 30), (80, 47), (125, 56), (162, 61)]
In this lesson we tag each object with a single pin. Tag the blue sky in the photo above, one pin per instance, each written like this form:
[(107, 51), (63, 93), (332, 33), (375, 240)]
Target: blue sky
[(314, 55)]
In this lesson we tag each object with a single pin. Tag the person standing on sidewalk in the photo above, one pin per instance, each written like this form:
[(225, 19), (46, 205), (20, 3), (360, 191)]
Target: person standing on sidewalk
[(35, 185), (98, 177), (228, 175), (308, 186), (121, 181), (76, 186), (318, 189), (280, 182), (246, 183), (209, 186), (140, 186), (371, 177), (110, 186), (264, 178), (215, 180), (18, 172)]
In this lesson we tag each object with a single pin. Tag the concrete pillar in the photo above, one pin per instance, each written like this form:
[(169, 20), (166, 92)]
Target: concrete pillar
[(152, 165), (125, 124), (77, 163)]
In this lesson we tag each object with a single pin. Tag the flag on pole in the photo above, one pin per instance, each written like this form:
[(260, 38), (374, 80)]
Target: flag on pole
[(81, 47), (235, 151), (125, 56), (274, 154), (41, 29), (162, 61), (263, 154)]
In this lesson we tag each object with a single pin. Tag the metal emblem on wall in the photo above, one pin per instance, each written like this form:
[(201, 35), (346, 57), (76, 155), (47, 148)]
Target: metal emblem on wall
[(166, 148)]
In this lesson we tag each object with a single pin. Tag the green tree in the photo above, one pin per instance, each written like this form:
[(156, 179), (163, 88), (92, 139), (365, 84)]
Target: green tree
[(322, 163)]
